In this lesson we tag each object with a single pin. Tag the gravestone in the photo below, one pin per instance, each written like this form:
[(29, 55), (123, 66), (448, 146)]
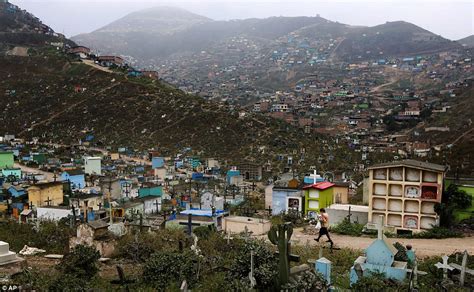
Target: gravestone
[(323, 266), (7, 256)]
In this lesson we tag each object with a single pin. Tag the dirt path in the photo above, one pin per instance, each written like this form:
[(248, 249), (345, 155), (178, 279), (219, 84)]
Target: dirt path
[(96, 66), (48, 175), (423, 247)]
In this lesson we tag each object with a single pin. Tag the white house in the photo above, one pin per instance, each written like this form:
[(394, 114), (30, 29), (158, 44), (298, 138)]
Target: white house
[(93, 165)]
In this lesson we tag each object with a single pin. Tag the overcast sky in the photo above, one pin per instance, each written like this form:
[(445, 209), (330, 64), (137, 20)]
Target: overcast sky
[(452, 19)]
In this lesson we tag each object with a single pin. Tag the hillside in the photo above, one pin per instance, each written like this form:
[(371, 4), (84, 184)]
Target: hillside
[(467, 41), (41, 100), (459, 140), (397, 38), (19, 27), (151, 34)]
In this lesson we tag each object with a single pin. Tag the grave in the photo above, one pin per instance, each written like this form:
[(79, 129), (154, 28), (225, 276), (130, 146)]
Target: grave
[(379, 258), (7, 256)]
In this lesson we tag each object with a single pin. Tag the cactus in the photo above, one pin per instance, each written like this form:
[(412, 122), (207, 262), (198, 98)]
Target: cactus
[(280, 236)]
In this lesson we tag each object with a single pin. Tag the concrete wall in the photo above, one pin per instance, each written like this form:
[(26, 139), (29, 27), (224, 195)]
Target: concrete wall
[(237, 224), (337, 215)]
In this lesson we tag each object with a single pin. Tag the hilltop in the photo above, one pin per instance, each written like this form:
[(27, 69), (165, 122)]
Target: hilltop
[(467, 41), (181, 32)]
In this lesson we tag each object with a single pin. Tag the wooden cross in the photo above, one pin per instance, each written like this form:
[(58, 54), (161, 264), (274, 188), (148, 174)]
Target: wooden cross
[(445, 266), (157, 204), (48, 202), (55, 177), (99, 205), (463, 268)]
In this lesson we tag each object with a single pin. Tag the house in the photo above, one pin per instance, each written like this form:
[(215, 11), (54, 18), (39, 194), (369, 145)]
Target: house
[(93, 165), (286, 198), (156, 191), (81, 51), (198, 218), (150, 74), (157, 162), (6, 159), (46, 194), (39, 158), (251, 171), (317, 196), (16, 172), (379, 258), (55, 213), (209, 200), (87, 202), (108, 61), (16, 191), (75, 177), (151, 204), (405, 193), (341, 192)]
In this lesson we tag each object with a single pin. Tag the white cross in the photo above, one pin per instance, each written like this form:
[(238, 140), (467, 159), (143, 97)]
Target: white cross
[(444, 266), (253, 282), (463, 268)]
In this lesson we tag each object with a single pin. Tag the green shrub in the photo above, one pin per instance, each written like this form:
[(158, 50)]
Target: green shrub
[(170, 268), (348, 228), (204, 232), (265, 264), (139, 247), (81, 262), (438, 232)]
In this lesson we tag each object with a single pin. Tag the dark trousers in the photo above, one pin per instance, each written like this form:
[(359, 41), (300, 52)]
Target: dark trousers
[(324, 231)]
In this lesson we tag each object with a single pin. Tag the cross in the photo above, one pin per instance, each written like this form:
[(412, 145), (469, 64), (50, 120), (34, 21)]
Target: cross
[(48, 201), (190, 224), (31, 205), (445, 266), (55, 177), (253, 282), (99, 205), (269, 211), (157, 204), (127, 189), (463, 268)]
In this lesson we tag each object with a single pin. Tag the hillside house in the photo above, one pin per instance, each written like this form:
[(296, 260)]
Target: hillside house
[(108, 61), (75, 177), (93, 165), (80, 51), (6, 159), (46, 194)]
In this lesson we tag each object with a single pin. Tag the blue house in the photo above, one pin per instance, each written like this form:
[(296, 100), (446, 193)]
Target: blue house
[(16, 191), (12, 171), (76, 177), (379, 258), (152, 191), (157, 162), (285, 198), (231, 173)]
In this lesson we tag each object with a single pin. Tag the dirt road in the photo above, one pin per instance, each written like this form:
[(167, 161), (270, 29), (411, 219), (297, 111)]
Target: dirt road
[(423, 247), (49, 176)]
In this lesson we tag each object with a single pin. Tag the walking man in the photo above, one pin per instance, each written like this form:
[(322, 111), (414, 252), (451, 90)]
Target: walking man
[(324, 218)]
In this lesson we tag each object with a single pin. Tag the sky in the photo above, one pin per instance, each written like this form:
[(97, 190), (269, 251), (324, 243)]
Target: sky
[(452, 19)]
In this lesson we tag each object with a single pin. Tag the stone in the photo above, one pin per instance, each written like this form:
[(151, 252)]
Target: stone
[(7, 256)]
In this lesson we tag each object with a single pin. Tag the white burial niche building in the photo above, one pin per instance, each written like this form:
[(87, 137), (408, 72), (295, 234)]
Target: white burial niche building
[(405, 193)]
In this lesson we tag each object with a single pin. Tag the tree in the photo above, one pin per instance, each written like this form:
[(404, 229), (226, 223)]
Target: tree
[(453, 199)]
